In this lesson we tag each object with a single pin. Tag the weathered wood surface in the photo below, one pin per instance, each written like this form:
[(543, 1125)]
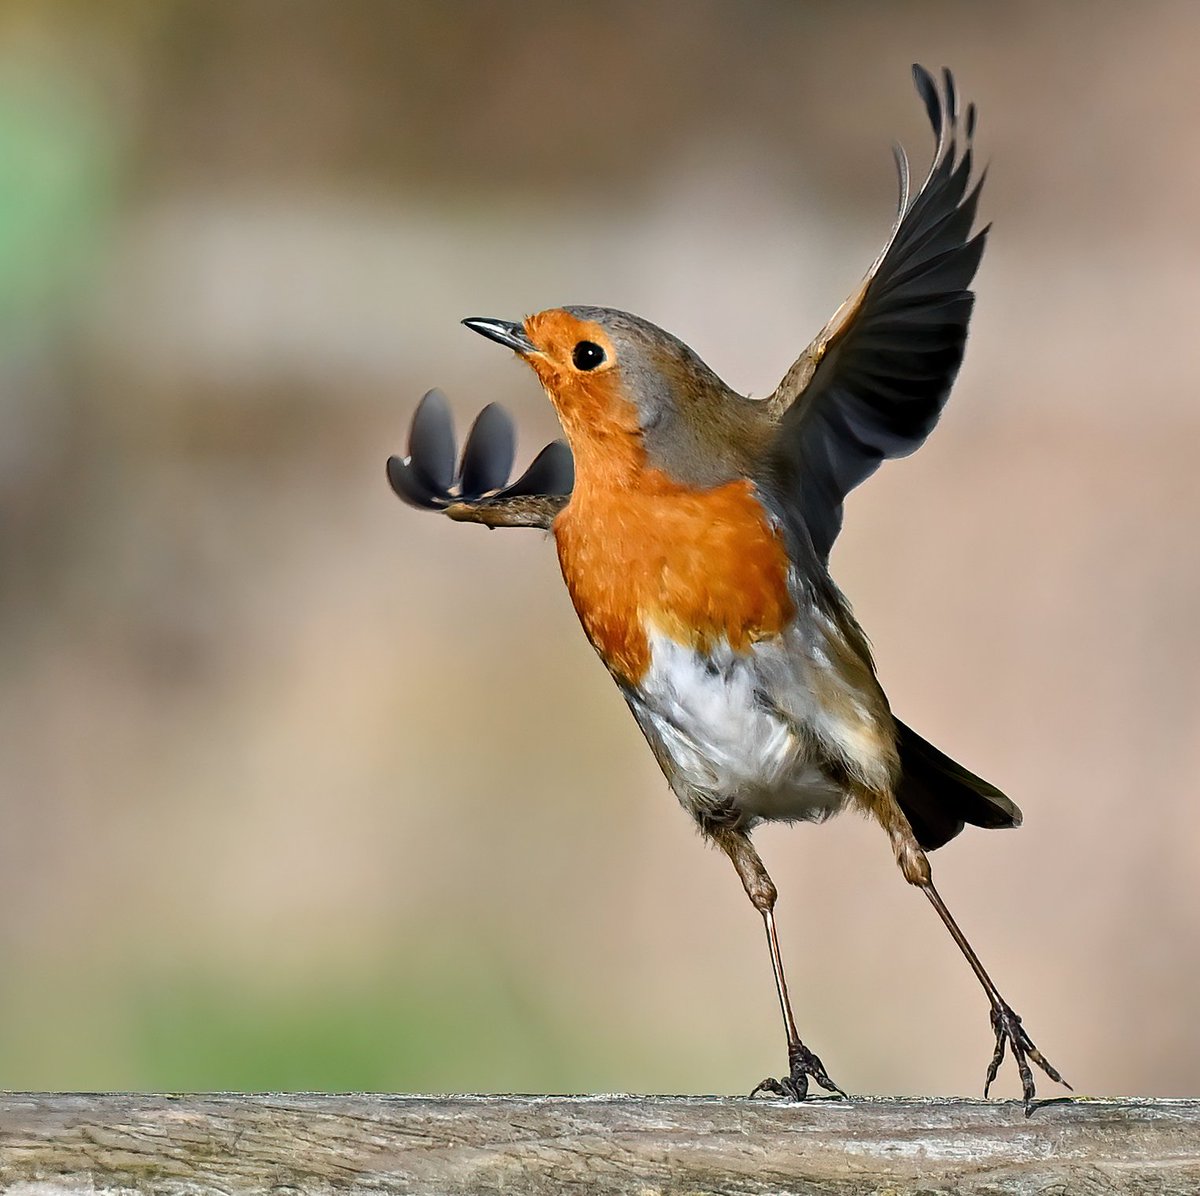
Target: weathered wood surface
[(235, 1144)]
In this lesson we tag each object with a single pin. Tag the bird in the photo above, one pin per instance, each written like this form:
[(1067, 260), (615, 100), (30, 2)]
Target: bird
[(694, 526)]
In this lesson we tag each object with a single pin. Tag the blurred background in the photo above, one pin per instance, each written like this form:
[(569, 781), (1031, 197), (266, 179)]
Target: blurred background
[(300, 788)]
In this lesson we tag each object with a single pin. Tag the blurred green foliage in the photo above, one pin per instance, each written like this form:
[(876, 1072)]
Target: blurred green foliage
[(425, 1028), (58, 173)]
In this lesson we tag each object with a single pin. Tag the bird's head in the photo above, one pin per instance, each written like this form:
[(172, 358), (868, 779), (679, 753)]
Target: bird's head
[(631, 396)]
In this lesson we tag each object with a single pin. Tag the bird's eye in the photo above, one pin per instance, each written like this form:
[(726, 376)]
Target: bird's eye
[(587, 356)]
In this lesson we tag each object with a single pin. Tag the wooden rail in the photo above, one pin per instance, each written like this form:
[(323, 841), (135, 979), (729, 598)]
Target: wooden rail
[(601, 1145)]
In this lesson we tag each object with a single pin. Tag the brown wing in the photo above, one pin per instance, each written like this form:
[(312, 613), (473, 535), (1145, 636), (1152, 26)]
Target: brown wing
[(873, 383), (476, 489)]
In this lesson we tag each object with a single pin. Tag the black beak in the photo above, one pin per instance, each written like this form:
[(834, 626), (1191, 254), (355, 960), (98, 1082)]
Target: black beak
[(503, 333)]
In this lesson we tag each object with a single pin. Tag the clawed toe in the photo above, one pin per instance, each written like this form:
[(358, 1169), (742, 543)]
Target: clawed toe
[(1011, 1035), (773, 1087), (794, 1086)]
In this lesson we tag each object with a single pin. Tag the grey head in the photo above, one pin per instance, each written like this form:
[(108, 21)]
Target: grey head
[(696, 429)]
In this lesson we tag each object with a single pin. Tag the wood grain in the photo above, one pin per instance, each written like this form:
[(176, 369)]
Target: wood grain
[(51, 1144)]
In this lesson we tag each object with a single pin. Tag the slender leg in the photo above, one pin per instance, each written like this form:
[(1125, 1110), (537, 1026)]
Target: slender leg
[(802, 1063), (1006, 1025), (1005, 1022)]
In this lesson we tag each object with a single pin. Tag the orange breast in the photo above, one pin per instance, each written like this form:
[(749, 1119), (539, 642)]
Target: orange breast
[(701, 566)]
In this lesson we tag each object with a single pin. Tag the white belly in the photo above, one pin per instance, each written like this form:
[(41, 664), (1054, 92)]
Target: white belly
[(721, 738)]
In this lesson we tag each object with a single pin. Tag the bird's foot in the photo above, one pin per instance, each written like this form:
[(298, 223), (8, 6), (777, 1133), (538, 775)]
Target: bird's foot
[(794, 1086), (1009, 1034)]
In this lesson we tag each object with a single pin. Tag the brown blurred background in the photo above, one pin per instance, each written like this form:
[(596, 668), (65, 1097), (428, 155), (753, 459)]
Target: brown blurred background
[(302, 789)]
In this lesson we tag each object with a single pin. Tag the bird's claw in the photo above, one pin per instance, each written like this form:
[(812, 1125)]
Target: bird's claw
[(1010, 1034), (794, 1086)]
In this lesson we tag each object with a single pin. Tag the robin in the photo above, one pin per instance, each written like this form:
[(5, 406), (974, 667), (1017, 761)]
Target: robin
[(694, 526)]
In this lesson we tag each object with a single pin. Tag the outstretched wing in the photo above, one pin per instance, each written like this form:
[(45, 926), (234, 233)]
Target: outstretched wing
[(874, 382), (475, 489)]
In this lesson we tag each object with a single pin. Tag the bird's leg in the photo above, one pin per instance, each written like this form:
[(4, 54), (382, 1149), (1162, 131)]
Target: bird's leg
[(1006, 1025), (802, 1063)]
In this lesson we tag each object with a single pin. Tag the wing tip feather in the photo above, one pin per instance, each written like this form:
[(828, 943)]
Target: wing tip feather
[(433, 476)]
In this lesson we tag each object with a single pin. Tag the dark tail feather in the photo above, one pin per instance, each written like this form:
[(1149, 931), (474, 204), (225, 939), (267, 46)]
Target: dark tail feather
[(938, 796)]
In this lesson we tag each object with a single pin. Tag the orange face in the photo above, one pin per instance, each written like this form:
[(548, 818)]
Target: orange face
[(576, 362)]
